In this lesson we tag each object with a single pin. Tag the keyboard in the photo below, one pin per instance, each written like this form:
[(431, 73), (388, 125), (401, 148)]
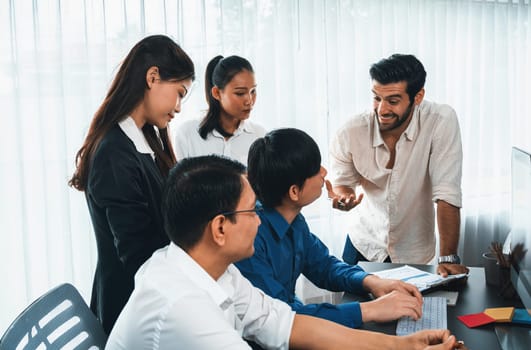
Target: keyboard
[(433, 317)]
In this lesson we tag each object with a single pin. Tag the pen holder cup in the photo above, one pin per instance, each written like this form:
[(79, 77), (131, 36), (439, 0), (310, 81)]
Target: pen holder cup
[(506, 285), (492, 269), (498, 276)]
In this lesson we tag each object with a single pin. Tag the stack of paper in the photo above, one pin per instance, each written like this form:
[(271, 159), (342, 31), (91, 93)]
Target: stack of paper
[(421, 279)]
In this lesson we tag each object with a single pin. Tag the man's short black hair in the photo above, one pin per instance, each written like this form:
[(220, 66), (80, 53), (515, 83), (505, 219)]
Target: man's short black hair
[(196, 190), (399, 68), (280, 159)]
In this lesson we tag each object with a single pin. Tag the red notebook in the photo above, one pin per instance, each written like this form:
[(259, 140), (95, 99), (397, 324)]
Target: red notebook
[(476, 320)]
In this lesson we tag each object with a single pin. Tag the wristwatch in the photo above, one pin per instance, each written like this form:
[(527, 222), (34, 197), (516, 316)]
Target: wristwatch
[(450, 259)]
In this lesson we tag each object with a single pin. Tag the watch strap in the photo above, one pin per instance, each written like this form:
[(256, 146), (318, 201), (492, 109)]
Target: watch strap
[(449, 259)]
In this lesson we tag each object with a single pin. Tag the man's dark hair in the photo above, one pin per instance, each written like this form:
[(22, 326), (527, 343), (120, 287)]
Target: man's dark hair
[(196, 190), (399, 68), (280, 159)]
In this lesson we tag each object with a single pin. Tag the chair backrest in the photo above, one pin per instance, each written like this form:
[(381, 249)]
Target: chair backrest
[(60, 319)]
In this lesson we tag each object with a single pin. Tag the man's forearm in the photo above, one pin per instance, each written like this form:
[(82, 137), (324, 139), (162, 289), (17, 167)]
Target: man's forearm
[(315, 333), (448, 222)]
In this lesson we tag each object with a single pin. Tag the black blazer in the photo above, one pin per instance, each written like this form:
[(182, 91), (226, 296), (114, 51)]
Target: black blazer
[(123, 196)]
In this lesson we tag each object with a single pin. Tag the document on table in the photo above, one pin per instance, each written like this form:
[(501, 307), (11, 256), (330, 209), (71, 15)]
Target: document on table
[(421, 279)]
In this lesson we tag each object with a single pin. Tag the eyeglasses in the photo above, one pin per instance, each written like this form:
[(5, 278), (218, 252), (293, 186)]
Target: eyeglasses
[(234, 212)]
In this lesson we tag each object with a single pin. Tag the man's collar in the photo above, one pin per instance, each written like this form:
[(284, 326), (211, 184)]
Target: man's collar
[(199, 276), (410, 132), (278, 224), (412, 128)]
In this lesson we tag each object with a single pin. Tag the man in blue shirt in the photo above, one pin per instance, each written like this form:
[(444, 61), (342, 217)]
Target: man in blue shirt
[(285, 171)]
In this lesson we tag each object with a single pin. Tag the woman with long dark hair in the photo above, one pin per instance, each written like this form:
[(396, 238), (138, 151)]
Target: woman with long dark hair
[(230, 90), (123, 163)]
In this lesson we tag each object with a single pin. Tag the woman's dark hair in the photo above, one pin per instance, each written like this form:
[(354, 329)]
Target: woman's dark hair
[(196, 190), (397, 68), (280, 159), (126, 92), (219, 72)]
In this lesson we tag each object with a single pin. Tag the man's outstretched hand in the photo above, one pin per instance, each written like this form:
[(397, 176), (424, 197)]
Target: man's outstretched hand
[(343, 201)]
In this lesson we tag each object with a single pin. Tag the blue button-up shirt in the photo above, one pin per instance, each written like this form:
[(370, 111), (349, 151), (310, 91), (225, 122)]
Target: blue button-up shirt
[(284, 251)]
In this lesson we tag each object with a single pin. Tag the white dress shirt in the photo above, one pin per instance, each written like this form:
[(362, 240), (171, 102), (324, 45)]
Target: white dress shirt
[(188, 142), (177, 305), (396, 215)]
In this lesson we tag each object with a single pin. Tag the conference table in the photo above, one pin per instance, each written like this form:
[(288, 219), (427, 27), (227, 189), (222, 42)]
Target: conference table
[(474, 297)]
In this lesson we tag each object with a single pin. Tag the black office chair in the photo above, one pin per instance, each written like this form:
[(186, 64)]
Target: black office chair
[(58, 319)]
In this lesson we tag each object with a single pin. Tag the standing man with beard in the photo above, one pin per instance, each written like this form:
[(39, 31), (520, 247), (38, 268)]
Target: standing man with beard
[(402, 156)]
